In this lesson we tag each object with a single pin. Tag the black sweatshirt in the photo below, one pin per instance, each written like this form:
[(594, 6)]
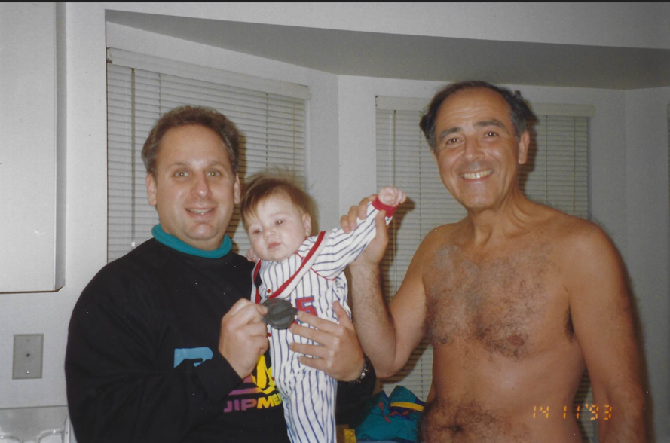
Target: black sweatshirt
[(142, 361)]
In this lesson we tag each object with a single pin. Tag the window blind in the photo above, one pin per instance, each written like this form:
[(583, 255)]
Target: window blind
[(404, 161), (141, 88), (557, 175)]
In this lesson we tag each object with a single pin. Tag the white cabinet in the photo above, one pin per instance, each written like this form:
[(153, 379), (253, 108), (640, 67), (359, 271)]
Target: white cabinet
[(32, 135)]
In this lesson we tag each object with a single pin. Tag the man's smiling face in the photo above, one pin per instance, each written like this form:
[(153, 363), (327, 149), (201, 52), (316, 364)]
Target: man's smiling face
[(477, 150), (194, 188)]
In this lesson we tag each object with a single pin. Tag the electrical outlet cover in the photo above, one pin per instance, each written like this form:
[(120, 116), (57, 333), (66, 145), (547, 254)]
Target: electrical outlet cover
[(28, 356)]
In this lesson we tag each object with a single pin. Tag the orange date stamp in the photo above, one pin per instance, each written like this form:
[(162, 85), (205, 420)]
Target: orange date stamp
[(580, 411)]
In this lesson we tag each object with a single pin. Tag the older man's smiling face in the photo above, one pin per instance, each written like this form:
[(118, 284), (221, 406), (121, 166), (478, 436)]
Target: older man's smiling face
[(477, 150)]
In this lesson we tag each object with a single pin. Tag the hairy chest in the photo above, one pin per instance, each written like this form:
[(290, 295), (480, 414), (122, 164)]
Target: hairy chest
[(504, 302)]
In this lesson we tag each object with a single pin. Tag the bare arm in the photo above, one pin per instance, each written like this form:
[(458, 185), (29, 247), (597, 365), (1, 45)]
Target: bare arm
[(388, 334), (602, 315)]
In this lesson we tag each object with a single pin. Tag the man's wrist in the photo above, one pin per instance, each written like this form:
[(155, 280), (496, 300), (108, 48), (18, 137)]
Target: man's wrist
[(364, 372)]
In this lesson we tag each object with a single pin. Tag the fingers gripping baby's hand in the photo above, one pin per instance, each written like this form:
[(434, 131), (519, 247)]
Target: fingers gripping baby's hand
[(391, 196)]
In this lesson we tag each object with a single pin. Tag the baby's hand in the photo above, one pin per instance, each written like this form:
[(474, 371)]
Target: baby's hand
[(391, 196)]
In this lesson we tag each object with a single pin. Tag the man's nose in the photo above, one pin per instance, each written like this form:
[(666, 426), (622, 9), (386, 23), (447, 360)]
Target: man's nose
[(472, 148), (201, 185)]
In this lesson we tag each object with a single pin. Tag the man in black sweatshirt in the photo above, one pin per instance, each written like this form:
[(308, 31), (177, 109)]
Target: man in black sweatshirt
[(164, 344)]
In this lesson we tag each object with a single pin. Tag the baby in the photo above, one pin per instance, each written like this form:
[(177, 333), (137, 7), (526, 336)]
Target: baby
[(307, 272)]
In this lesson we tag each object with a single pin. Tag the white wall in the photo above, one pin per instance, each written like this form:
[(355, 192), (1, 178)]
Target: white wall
[(628, 139), (648, 237), (48, 313)]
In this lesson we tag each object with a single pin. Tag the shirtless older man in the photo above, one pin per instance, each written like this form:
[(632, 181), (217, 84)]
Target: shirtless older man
[(517, 298)]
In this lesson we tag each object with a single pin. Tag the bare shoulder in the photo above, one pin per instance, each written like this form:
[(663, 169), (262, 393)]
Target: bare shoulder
[(579, 240), (587, 256)]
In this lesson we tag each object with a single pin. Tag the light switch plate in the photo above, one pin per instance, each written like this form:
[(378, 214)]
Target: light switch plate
[(28, 351)]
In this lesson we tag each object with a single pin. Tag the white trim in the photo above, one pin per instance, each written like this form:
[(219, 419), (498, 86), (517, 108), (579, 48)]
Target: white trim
[(161, 65), (401, 103)]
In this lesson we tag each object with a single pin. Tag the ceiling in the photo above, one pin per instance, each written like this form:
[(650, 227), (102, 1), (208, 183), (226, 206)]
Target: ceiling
[(398, 56)]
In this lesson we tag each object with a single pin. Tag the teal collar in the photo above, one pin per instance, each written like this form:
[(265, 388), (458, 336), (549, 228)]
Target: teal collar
[(174, 243)]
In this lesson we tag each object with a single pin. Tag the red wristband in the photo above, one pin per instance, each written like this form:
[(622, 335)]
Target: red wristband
[(390, 210)]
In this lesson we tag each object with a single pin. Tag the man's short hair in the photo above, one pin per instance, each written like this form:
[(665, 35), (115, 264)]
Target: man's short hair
[(520, 113), (266, 184), (192, 115)]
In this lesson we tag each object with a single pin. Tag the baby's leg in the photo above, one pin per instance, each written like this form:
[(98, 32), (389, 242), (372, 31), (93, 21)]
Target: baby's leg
[(310, 408)]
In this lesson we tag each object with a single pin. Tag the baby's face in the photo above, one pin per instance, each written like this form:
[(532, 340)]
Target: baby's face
[(278, 228)]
